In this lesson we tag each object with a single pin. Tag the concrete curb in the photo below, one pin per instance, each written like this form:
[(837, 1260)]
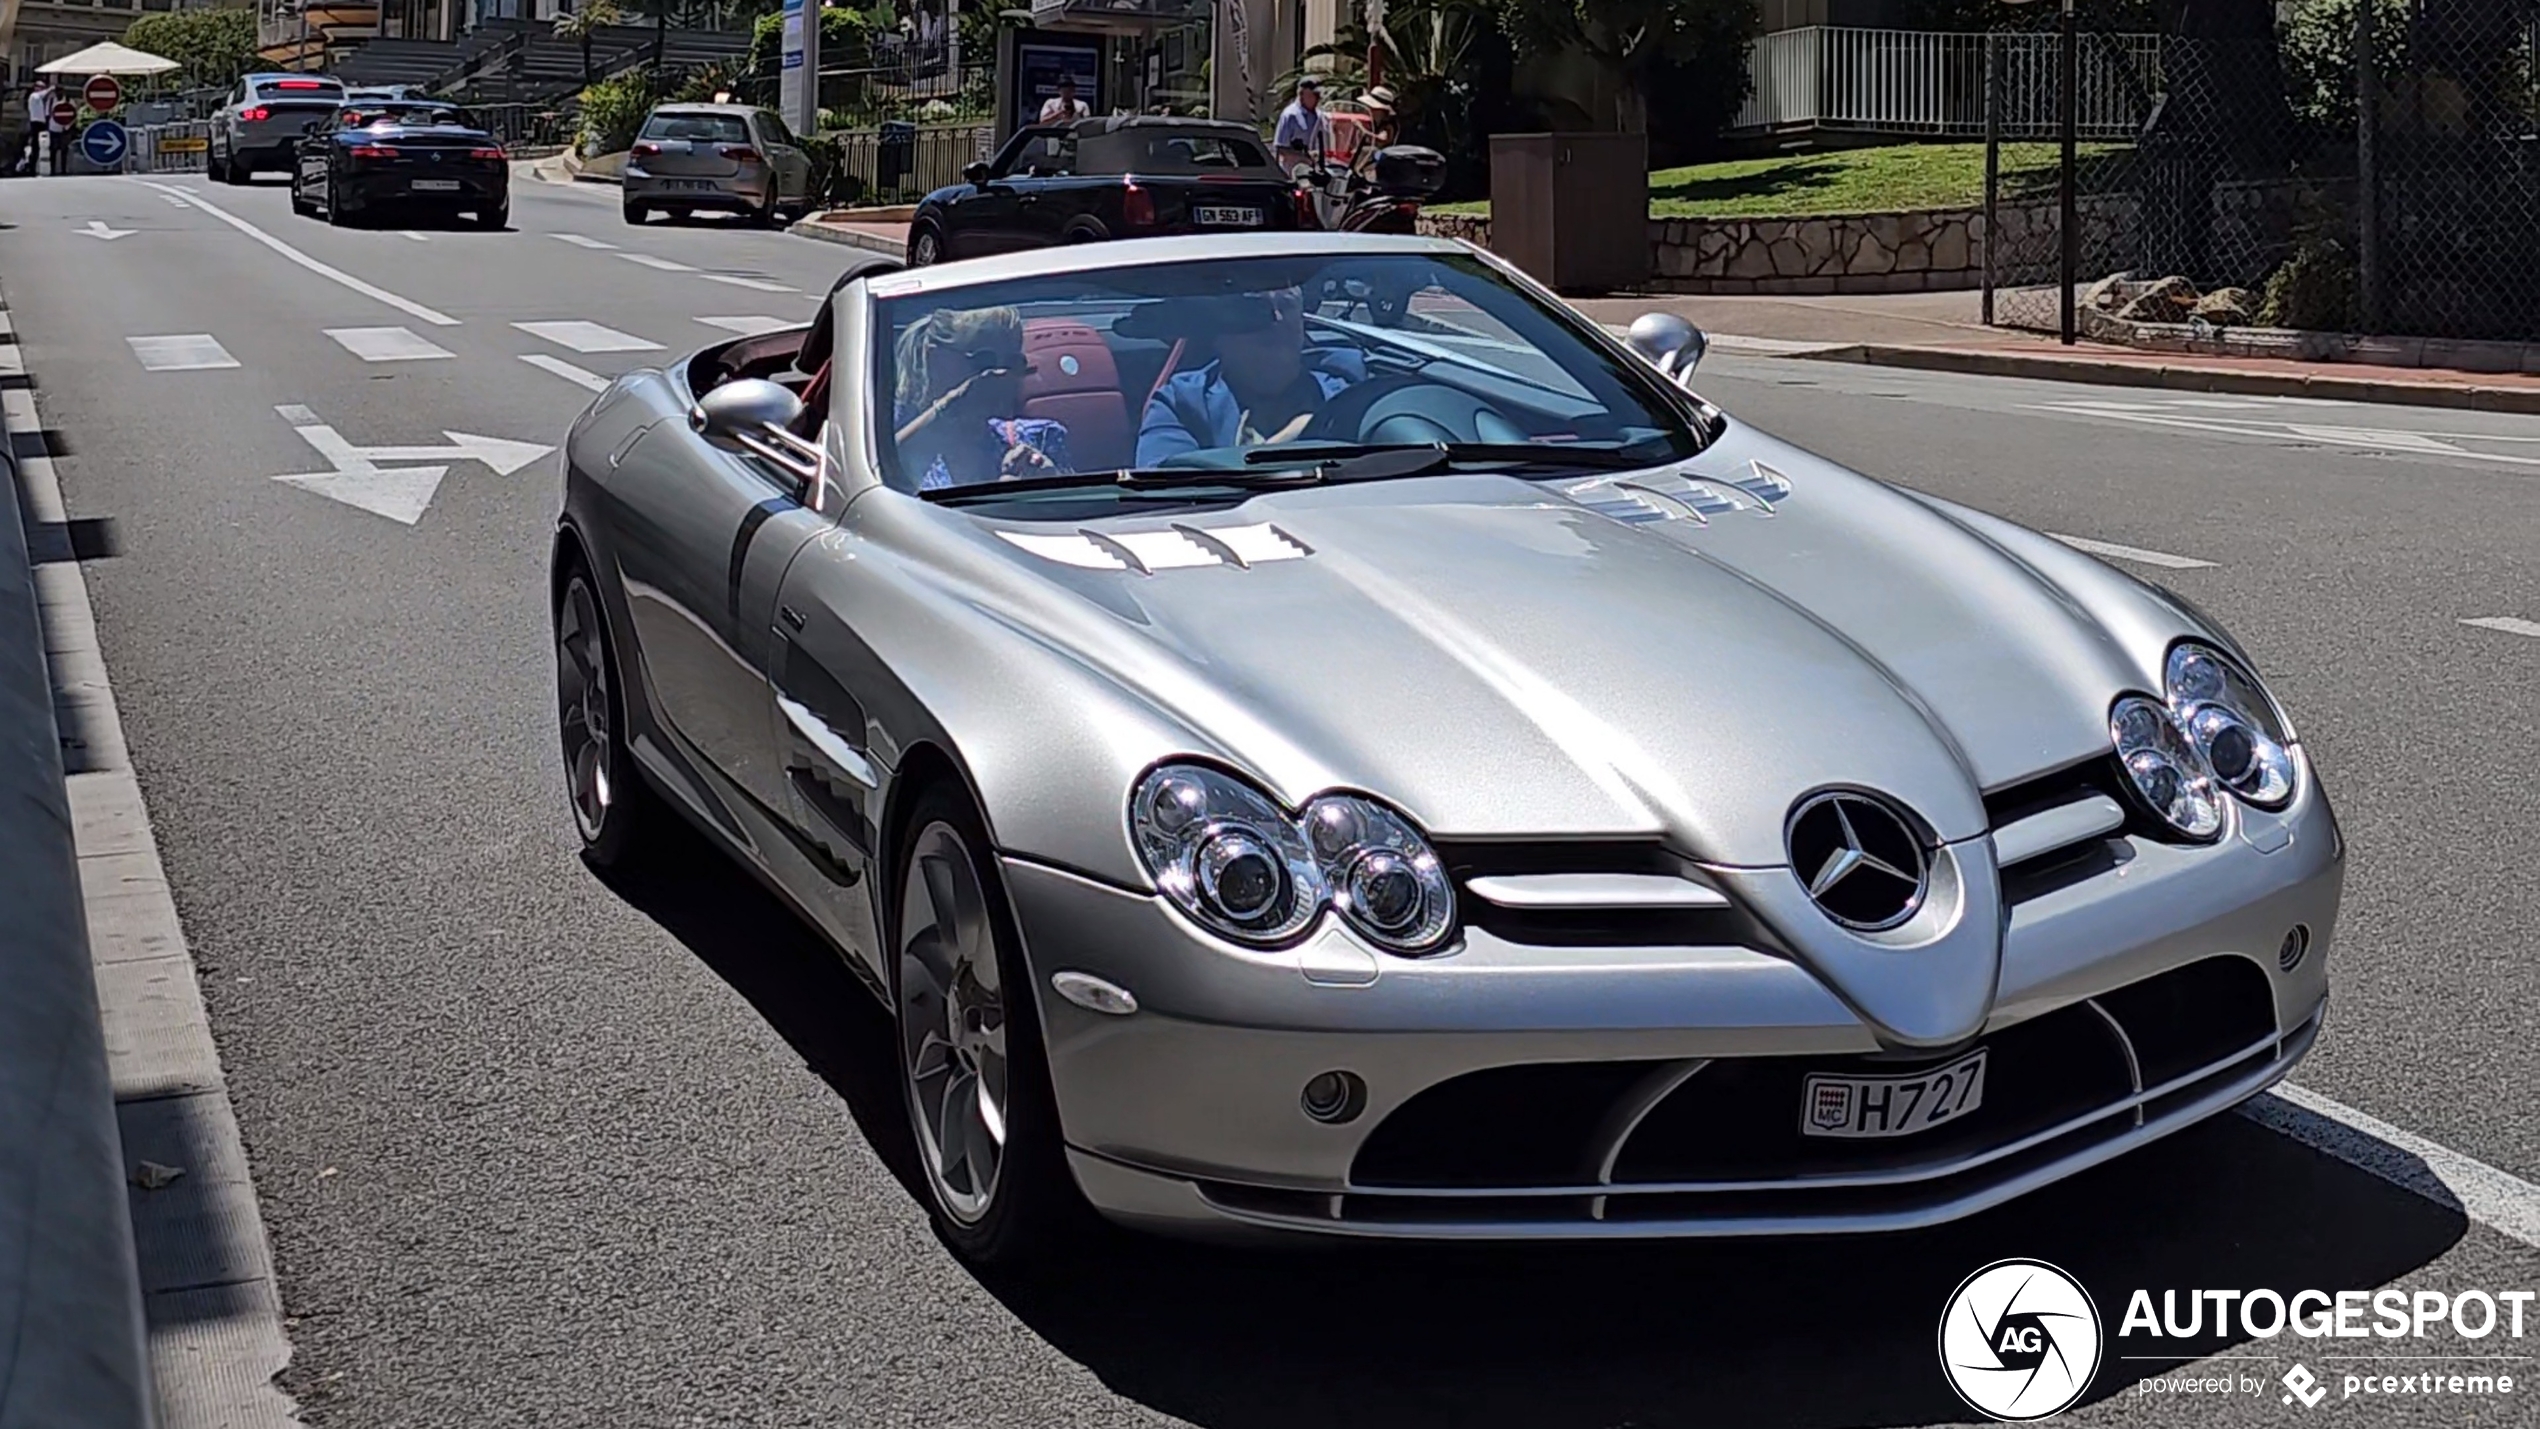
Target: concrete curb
[(830, 233), (73, 1346), (206, 1287), (2181, 378)]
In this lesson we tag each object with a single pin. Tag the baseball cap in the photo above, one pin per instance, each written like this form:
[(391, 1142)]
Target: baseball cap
[(1310, 82)]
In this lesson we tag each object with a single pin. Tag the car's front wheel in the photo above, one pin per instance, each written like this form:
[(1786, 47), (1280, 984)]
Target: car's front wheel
[(972, 1067), (613, 808), (925, 247)]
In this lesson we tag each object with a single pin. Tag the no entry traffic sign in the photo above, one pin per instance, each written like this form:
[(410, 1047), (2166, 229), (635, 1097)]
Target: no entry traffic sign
[(102, 93), (63, 113)]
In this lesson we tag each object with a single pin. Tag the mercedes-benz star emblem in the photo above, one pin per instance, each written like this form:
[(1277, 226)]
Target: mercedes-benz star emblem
[(1860, 859)]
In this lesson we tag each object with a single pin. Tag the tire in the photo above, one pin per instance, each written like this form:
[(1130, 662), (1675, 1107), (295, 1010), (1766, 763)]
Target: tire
[(925, 247), (212, 168), (337, 216), (616, 813), (233, 174), (635, 212), (300, 201), (766, 214), (495, 219), (962, 1000)]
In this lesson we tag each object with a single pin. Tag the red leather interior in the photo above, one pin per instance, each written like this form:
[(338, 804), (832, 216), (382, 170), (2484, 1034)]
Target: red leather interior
[(815, 404), (1075, 381)]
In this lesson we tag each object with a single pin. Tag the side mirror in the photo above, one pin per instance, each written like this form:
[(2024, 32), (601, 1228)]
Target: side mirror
[(743, 411), (1668, 343), (977, 174)]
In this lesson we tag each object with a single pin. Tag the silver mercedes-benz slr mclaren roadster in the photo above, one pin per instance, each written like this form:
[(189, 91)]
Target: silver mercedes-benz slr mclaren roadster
[(1309, 735)]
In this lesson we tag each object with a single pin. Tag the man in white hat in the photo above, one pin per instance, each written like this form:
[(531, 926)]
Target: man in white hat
[(1304, 134)]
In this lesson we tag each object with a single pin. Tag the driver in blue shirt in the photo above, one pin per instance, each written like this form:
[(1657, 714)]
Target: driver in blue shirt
[(1264, 385)]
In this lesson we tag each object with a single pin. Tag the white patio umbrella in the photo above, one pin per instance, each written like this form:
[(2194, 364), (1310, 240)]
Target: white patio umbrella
[(108, 57)]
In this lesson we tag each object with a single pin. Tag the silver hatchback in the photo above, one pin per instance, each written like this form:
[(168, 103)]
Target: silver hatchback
[(258, 130), (728, 158)]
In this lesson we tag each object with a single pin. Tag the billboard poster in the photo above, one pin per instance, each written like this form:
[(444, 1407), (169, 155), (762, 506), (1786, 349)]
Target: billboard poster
[(1041, 62)]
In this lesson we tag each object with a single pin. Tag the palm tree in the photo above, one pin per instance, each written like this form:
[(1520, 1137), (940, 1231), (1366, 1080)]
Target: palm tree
[(584, 24)]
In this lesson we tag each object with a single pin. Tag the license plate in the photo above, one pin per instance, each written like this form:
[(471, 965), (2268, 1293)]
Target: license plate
[(1230, 217), (1891, 1106), (687, 183), (436, 186)]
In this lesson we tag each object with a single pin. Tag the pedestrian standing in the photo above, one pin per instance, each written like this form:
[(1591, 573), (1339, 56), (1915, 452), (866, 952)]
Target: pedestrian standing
[(1064, 107), (39, 117), (1304, 136)]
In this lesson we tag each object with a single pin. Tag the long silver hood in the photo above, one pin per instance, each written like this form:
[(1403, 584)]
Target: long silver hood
[(1685, 654)]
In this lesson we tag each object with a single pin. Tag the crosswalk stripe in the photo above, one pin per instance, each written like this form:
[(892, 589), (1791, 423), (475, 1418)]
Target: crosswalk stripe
[(566, 370), (386, 344), (587, 337), (749, 324), (762, 285), (2507, 624), (180, 352), (664, 264), (578, 241)]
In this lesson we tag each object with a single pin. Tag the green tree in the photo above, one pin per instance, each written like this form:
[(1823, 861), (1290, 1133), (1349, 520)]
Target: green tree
[(585, 24), (214, 47), (1628, 42)]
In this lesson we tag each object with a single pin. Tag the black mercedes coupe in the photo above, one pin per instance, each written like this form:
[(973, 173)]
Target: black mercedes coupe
[(404, 154)]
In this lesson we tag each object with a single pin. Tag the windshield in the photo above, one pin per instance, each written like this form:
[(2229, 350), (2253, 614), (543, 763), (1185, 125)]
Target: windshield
[(1148, 151), (413, 116), (698, 128), (1250, 365)]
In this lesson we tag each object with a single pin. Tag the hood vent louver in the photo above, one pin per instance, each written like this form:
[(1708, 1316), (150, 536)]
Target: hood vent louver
[(1674, 496), (1176, 547)]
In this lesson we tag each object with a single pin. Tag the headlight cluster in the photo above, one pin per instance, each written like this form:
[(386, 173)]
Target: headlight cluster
[(2216, 730), (1232, 859)]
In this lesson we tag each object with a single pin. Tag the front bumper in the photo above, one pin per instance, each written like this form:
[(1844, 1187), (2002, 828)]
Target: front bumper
[(1526, 1091)]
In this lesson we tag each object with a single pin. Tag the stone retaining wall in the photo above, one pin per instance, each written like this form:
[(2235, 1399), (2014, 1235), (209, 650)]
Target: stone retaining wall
[(1936, 250)]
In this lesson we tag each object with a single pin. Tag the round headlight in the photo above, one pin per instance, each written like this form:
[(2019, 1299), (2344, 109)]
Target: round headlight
[(2167, 770), (1225, 854), (1385, 878), (2234, 724)]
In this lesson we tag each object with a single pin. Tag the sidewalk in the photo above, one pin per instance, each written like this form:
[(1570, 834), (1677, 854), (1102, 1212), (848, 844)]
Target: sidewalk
[(1943, 332), (1940, 332)]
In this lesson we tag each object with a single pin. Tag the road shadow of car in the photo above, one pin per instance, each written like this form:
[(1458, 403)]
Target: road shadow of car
[(1800, 1332)]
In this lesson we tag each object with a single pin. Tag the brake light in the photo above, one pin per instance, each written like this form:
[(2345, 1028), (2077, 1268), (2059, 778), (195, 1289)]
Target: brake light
[(1137, 206), (254, 113), (298, 84), (1407, 210), (647, 150), (373, 151), (738, 153), (494, 153), (1305, 214)]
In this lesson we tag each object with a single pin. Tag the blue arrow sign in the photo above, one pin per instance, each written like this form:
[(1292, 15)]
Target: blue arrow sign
[(104, 142)]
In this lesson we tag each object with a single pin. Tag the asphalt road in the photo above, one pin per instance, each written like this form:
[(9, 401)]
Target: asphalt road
[(538, 1150)]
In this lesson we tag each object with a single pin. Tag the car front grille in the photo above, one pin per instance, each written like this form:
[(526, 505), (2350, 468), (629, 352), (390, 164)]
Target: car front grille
[(1657, 1141)]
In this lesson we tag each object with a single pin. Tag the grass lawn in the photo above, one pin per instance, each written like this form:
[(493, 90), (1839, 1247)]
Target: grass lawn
[(1882, 180)]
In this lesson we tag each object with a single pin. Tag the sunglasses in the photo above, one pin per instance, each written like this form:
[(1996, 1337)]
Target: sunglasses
[(988, 360)]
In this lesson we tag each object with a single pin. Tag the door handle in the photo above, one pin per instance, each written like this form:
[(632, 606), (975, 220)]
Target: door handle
[(832, 747)]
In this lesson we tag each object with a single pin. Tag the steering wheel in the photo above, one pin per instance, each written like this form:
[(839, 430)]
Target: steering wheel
[(1345, 416)]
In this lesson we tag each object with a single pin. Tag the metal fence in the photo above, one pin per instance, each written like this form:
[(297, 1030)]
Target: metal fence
[(1917, 82), (900, 163), (2370, 166), (526, 126)]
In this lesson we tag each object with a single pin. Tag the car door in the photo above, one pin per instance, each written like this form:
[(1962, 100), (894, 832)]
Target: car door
[(702, 531), (985, 220), (1049, 195), (786, 157)]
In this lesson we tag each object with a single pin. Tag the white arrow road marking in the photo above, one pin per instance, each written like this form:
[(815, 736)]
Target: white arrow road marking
[(399, 493), (2137, 554), (2507, 624), (180, 352), (97, 229), (332, 274), (588, 337), (566, 370)]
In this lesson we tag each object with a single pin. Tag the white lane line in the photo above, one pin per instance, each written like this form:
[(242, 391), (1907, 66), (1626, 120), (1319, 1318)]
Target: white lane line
[(664, 264), (578, 241), (755, 284), (181, 352), (2136, 554), (566, 370), (2507, 624), (332, 274), (386, 344), (410, 233), (750, 324), (2499, 1200), (588, 337)]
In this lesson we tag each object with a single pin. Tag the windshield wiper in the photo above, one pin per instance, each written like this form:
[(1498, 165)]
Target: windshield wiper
[(1348, 461), (1155, 478)]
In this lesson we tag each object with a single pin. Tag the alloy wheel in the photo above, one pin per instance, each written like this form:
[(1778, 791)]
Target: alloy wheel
[(927, 250), (952, 1021), (582, 708)]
